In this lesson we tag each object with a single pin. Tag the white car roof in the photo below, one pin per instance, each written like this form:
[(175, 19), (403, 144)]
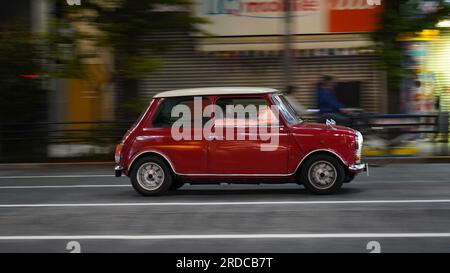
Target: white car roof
[(215, 91)]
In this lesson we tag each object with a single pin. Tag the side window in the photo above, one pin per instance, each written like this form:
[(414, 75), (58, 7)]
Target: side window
[(163, 117), (244, 112)]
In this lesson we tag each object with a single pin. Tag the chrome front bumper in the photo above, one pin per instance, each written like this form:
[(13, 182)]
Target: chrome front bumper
[(357, 168), (118, 170)]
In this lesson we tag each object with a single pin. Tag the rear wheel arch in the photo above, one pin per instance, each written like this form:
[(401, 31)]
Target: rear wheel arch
[(152, 154)]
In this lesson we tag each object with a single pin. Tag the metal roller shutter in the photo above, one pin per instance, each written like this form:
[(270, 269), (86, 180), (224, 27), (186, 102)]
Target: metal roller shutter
[(186, 67)]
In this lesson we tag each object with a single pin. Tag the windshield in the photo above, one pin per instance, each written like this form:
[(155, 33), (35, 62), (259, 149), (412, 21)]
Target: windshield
[(141, 115), (287, 110)]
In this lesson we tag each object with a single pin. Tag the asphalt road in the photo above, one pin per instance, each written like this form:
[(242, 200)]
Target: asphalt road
[(403, 208)]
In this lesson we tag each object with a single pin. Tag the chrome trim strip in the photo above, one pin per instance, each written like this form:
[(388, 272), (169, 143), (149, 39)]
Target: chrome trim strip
[(152, 151), (233, 174), (198, 174), (248, 126), (243, 175)]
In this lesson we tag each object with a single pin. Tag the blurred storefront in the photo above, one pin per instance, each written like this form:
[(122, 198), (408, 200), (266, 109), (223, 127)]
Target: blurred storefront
[(418, 90), (75, 102), (245, 48), (426, 56), (75, 99), (437, 74), (427, 89)]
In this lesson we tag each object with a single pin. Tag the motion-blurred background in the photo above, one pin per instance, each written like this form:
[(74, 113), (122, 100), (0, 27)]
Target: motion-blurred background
[(75, 74)]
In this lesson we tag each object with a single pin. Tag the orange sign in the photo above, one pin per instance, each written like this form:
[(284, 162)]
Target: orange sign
[(353, 16)]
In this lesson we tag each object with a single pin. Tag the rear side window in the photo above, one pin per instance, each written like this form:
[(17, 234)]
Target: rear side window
[(163, 117)]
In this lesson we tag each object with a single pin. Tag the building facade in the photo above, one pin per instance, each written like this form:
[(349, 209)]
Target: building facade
[(244, 45)]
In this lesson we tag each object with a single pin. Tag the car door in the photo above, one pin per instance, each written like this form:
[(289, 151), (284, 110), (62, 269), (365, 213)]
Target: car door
[(183, 146), (243, 153)]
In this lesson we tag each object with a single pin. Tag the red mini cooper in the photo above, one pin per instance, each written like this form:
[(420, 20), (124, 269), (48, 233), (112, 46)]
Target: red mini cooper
[(234, 135)]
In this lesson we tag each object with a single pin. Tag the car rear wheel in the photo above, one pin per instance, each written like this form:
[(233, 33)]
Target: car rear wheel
[(322, 174), (151, 176)]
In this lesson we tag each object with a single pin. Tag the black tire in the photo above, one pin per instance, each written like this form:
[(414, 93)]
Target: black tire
[(176, 184), (153, 162), (349, 177), (307, 175)]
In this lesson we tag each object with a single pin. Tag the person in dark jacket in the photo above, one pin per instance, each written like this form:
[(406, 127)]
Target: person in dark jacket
[(328, 104)]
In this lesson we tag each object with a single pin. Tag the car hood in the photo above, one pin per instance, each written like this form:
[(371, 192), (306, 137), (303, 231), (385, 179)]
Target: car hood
[(322, 128)]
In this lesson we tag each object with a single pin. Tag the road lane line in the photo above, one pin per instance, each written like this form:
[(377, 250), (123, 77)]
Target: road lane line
[(228, 236), (64, 186), (226, 203), (56, 176)]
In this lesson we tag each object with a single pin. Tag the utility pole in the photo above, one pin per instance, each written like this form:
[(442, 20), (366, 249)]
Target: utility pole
[(287, 62)]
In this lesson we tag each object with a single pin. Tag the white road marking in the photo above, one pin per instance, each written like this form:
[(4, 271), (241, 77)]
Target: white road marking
[(228, 236), (57, 176), (63, 186), (249, 203)]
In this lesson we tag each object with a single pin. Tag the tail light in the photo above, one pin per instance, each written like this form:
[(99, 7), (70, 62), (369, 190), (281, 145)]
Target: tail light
[(118, 153)]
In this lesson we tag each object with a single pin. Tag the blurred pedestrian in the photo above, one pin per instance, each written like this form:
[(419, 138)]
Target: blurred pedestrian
[(329, 106)]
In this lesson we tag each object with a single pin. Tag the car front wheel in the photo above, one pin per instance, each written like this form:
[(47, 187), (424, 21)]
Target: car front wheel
[(151, 176), (322, 174)]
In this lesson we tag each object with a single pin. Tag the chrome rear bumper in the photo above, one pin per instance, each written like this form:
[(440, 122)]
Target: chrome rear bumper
[(118, 170)]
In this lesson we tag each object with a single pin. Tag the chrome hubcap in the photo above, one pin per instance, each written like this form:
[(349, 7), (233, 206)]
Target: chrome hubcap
[(150, 176), (322, 175)]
